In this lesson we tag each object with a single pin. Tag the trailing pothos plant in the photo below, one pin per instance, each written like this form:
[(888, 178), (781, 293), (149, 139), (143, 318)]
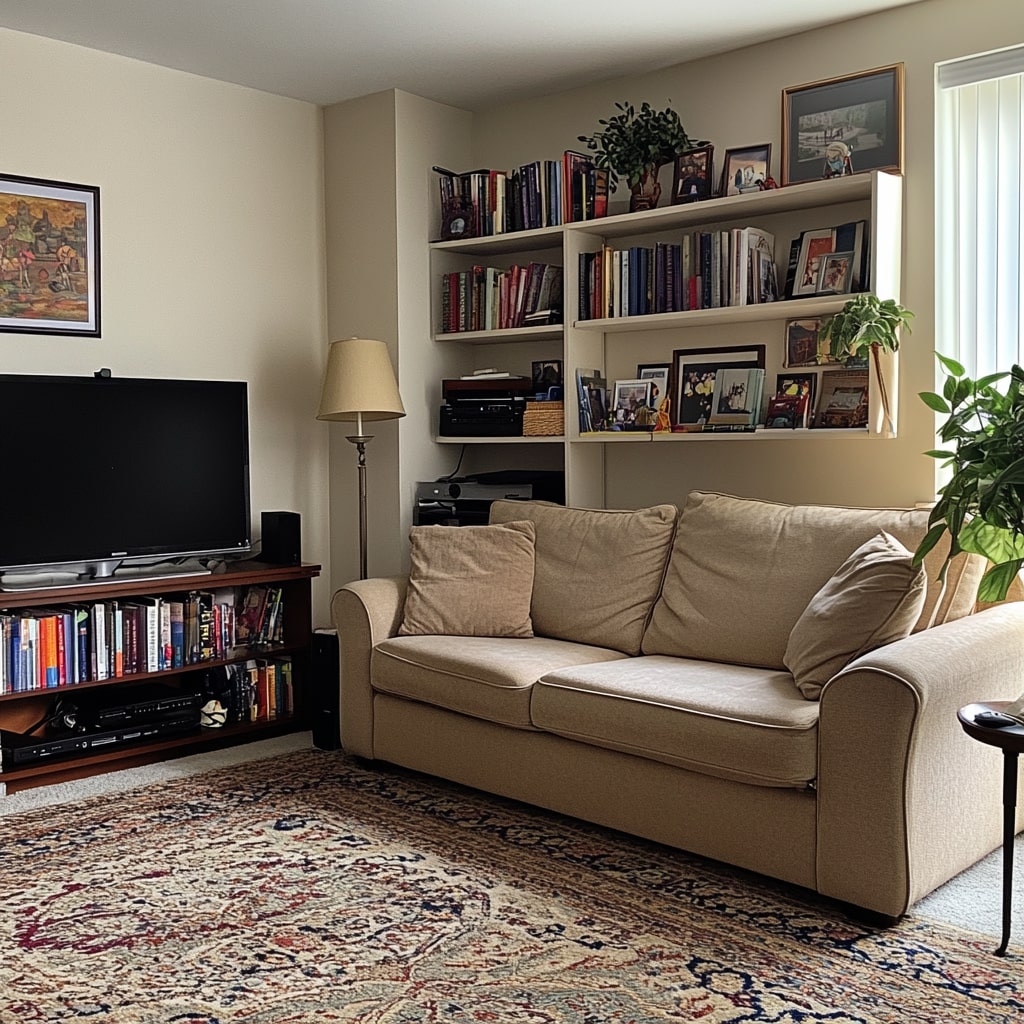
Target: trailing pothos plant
[(866, 324), (981, 506)]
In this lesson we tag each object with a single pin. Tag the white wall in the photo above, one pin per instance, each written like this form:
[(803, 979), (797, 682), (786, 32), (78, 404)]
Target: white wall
[(211, 245), (735, 100)]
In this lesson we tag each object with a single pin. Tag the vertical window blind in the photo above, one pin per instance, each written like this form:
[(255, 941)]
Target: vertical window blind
[(979, 224)]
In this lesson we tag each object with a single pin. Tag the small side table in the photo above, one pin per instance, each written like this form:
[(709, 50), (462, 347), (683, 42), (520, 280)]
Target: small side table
[(1010, 740)]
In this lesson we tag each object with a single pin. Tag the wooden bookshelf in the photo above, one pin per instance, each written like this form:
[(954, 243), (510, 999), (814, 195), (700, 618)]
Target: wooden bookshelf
[(19, 711)]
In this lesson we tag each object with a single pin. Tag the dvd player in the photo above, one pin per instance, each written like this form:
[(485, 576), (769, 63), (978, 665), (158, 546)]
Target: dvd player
[(143, 703), (17, 749)]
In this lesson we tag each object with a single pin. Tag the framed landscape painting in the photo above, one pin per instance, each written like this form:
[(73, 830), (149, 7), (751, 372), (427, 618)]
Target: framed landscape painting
[(858, 115), (49, 257)]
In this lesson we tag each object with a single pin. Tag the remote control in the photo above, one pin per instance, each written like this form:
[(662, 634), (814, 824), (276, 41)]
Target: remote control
[(993, 720)]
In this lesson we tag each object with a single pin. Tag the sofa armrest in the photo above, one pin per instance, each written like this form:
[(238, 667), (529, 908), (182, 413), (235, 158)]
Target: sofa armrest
[(364, 612), (899, 782)]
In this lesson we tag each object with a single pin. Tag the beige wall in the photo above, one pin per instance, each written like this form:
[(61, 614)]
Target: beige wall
[(211, 244), (735, 100)]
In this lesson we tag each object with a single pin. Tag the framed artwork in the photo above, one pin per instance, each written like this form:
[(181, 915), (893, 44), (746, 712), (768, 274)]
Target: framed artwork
[(836, 273), (843, 402), (745, 169), (629, 397), (803, 344), (546, 373), (843, 126), (693, 374), (814, 247), (693, 175), (661, 399), (49, 257)]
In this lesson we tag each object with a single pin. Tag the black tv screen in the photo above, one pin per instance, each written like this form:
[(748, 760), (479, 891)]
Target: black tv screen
[(103, 471)]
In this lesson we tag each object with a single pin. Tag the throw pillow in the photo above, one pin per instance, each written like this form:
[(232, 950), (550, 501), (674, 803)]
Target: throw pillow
[(470, 581), (874, 598)]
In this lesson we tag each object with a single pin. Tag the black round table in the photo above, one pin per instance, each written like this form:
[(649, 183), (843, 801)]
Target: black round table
[(1010, 740)]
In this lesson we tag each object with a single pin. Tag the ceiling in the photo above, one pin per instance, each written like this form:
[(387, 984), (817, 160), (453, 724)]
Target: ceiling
[(472, 54)]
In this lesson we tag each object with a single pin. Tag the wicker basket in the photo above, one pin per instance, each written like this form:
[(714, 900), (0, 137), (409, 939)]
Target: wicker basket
[(543, 419)]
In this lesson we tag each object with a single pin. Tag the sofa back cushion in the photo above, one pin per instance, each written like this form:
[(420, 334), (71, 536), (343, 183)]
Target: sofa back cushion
[(743, 571), (598, 572)]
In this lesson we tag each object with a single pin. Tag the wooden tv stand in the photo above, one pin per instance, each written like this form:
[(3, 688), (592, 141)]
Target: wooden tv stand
[(20, 711)]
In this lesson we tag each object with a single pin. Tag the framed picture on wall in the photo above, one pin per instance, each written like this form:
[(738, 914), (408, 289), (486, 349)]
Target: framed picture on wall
[(49, 257), (843, 126)]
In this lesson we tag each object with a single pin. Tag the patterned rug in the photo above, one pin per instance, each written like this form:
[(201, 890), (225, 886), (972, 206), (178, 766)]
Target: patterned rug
[(310, 888)]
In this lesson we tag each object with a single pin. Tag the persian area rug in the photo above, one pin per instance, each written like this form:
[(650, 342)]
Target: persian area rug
[(308, 887)]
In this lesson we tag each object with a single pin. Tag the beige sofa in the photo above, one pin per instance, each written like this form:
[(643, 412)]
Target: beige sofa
[(654, 694)]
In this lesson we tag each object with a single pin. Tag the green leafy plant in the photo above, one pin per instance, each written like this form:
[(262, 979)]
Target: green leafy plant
[(637, 142), (981, 506), (867, 323), (865, 320)]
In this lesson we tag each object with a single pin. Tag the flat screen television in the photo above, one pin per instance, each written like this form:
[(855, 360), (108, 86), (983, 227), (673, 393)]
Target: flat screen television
[(105, 472)]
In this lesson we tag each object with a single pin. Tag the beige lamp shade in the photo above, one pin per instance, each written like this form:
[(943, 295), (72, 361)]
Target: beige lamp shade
[(359, 383)]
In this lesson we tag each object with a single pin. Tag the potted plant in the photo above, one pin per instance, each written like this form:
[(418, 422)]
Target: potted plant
[(867, 323), (981, 506), (634, 144)]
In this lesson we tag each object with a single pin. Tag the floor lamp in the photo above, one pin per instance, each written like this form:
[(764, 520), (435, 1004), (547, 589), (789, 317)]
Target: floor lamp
[(360, 385)]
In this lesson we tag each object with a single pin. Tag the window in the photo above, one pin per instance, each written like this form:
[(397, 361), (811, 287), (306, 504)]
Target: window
[(979, 228)]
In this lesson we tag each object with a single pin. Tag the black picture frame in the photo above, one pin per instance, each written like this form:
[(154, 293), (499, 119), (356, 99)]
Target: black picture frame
[(863, 111), (693, 175), (746, 169), (687, 407), (49, 257)]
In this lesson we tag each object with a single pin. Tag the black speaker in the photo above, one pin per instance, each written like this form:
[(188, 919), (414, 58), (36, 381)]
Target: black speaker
[(281, 543), (324, 694)]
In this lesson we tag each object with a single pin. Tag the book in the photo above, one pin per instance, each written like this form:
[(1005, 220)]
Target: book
[(843, 402)]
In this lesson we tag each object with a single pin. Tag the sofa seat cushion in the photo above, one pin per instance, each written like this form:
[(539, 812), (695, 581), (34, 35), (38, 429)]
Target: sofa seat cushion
[(598, 571), (743, 571), (480, 676), (744, 724)]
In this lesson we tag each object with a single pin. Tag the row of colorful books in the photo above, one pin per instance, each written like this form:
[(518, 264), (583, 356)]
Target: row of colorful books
[(704, 270), (491, 298), (257, 689), (543, 193), (48, 648)]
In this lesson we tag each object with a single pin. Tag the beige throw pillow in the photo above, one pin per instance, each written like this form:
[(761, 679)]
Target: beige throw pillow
[(470, 581), (874, 598)]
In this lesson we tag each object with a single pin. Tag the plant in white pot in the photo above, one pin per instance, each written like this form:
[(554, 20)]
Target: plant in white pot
[(635, 144), (981, 506), (867, 324)]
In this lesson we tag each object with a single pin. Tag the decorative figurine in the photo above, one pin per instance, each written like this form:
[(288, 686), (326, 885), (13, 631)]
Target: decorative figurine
[(837, 160)]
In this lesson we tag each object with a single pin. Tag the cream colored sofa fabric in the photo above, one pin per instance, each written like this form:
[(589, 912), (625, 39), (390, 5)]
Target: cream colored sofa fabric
[(871, 795), (598, 572), (742, 572)]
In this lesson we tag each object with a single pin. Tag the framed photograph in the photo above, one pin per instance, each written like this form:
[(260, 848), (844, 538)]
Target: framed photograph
[(547, 373), (693, 380), (843, 126), (458, 218), (844, 400), (745, 169), (836, 273), (49, 257), (814, 247), (629, 400), (803, 344), (693, 175), (737, 397), (661, 399)]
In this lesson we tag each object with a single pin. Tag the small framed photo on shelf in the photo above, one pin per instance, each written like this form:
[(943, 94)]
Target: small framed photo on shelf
[(458, 218), (661, 400), (814, 247), (546, 373), (694, 372), (50, 249), (843, 125), (694, 172), (746, 169), (631, 405), (844, 400), (836, 273)]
